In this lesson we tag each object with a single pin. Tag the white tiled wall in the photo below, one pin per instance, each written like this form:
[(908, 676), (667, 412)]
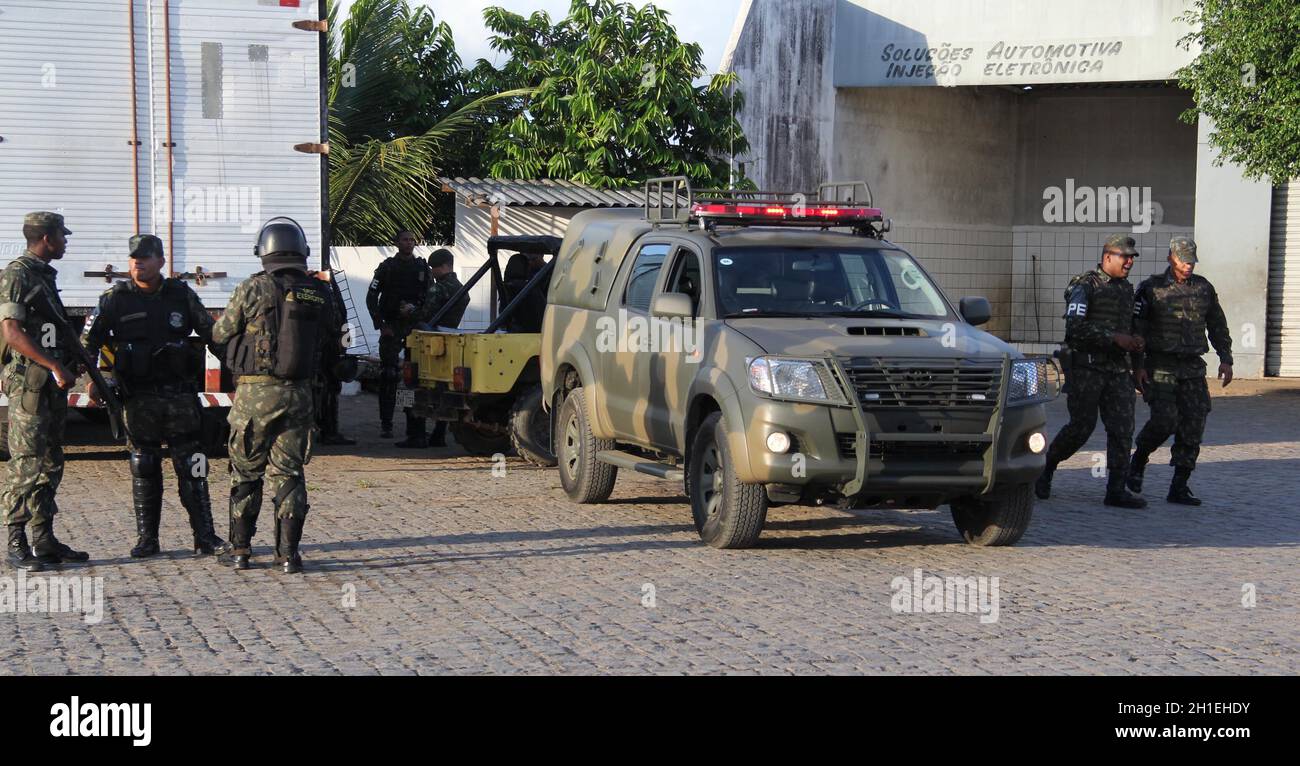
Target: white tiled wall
[(1037, 307), (966, 261)]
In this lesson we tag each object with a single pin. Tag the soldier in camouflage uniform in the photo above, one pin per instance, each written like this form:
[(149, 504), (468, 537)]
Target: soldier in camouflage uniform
[(36, 381), (1173, 314), (1098, 335), (395, 300), (274, 327), (444, 287), (146, 323)]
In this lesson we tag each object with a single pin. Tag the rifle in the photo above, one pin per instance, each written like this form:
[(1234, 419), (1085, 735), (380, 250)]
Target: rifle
[(39, 300)]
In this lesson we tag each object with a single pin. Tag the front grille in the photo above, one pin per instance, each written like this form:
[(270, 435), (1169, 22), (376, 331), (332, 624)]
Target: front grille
[(876, 450), (895, 384)]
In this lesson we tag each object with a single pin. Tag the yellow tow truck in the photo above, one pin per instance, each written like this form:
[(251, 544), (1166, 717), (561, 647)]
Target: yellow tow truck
[(487, 385)]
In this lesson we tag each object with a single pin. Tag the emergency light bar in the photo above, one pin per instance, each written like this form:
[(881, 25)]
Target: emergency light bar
[(817, 214)]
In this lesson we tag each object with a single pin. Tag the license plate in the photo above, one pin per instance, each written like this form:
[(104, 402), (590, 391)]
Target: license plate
[(405, 398)]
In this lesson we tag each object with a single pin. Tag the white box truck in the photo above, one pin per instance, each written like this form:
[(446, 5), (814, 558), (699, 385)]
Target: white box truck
[(195, 120)]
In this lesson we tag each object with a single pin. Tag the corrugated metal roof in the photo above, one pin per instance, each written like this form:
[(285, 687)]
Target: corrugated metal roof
[(543, 193)]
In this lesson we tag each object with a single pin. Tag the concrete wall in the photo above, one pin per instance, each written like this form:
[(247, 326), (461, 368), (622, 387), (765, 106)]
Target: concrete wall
[(1116, 137), (941, 163), (782, 51), (1233, 217)]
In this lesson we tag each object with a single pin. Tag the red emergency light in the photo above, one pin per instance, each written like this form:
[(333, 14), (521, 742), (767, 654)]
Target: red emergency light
[(818, 214)]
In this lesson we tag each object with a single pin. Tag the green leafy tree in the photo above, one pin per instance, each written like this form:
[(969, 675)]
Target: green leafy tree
[(618, 99), (1247, 78), (401, 114)]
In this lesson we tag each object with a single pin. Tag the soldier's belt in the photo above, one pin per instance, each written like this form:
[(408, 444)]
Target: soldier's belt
[(257, 379)]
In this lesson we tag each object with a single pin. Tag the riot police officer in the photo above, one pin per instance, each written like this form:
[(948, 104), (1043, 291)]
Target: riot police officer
[(146, 323), (273, 330), (395, 299), (1173, 314), (1099, 340)]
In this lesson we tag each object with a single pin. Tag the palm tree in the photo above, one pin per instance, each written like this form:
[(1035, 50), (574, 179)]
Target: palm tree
[(381, 180)]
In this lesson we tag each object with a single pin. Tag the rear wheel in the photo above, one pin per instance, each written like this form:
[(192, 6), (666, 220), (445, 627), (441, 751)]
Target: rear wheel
[(530, 429), (585, 479), (727, 513), (998, 520)]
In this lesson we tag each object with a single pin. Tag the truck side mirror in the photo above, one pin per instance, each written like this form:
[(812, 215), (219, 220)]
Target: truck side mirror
[(977, 311), (672, 306)]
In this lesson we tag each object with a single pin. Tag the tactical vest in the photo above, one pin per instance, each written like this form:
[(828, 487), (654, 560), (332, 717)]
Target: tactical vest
[(150, 335), (284, 341), (1110, 301), (1176, 317), (402, 282)]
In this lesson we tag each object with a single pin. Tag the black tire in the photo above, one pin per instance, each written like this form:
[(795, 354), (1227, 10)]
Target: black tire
[(728, 514), (530, 429), (585, 479), (480, 441), (997, 521)]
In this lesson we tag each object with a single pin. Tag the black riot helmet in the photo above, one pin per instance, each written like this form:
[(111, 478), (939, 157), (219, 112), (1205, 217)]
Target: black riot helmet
[(282, 244)]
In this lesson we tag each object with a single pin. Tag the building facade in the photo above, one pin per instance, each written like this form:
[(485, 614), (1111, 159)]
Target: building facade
[(1007, 139)]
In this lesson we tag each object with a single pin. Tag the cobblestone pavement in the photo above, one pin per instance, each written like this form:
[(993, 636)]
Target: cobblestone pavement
[(421, 566)]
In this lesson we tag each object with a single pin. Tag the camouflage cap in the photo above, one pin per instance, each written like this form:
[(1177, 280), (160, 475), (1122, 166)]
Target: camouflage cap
[(46, 220), (1123, 243), (146, 246), (1184, 249)]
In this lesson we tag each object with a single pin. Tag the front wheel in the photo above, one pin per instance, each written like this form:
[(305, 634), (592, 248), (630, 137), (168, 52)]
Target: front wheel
[(728, 514), (998, 520), (585, 479)]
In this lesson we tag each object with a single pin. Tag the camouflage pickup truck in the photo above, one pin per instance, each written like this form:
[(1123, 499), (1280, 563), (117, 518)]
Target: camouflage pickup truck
[(766, 350)]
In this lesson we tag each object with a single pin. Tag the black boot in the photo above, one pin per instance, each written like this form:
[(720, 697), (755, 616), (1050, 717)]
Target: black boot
[(1043, 487), (146, 497), (146, 491), (1179, 492), (50, 551), (1137, 471), (415, 438), (1118, 497), (242, 528), (19, 554), (288, 534), (198, 504)]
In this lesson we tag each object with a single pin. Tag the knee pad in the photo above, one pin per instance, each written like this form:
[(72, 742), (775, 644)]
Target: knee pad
[(146, 464), (283, 507), (245, 490)]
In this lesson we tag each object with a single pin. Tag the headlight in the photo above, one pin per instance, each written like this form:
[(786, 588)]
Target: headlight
[(795, 379), (1033, 381)]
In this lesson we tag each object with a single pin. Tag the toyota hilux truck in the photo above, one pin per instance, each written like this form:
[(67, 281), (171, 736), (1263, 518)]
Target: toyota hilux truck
[(776, 349)]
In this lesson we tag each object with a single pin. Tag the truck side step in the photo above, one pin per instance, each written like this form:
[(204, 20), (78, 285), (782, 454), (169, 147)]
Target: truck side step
[(641, 465)]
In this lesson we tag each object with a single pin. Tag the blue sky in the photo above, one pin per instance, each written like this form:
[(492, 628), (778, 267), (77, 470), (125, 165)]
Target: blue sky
[(707, 22)]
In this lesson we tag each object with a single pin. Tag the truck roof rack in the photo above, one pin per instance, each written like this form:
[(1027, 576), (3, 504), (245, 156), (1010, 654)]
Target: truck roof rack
[(840, 204)]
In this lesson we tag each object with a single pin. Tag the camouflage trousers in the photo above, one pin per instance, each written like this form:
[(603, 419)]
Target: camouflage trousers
[(1092, 392), (38, 414), (154, 418), (1179, 408), (270, 442)]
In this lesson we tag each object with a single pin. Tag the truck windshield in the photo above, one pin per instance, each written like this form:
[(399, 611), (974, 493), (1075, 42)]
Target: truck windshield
[(792, 281)]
